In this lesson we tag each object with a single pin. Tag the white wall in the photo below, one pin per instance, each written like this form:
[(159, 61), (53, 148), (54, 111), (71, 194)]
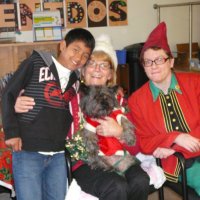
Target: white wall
[(142, 18)]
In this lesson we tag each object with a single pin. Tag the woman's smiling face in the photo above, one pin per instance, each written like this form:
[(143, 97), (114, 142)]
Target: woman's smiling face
[(97, 71)]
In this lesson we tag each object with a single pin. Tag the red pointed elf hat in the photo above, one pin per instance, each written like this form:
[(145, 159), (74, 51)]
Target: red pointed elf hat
[(158, 38)]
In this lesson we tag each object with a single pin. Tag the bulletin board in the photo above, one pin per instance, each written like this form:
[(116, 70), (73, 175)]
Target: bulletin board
[(47, 26)]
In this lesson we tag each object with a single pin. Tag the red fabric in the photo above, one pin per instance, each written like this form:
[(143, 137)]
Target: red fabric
[(108, 145), (133, 150), (148, 117), (91, 121), (158, 37), (5, 163), (171, 169), (77, 165)]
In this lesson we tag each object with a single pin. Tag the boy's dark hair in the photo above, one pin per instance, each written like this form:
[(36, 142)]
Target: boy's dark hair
[(81, 35)]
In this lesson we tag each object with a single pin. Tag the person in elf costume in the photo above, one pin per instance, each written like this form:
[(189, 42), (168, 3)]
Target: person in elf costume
[(166, 110)]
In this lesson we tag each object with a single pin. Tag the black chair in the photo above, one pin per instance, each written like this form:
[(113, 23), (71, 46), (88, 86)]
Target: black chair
[(69, 167), (182, 189)]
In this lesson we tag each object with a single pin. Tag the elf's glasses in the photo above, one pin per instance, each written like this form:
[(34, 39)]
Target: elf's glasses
[(157, 61)]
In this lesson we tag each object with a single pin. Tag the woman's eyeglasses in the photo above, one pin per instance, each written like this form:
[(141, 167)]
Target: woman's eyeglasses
[(102, 65), (157, 61)]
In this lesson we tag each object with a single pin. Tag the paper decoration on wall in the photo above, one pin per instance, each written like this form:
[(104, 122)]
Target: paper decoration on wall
[(47, 25), (52, 0), (8, 19), (97, 13), (117, 12), (26, 12), (55, 6), (76, 15)]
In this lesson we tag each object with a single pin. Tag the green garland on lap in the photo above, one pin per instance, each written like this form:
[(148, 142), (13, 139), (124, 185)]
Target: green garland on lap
[(76, 147)]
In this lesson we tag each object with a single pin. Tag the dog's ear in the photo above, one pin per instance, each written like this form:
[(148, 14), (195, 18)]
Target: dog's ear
[(84, 89)]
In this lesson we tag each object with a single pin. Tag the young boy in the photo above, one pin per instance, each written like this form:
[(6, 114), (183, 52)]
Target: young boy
[(37, 137)]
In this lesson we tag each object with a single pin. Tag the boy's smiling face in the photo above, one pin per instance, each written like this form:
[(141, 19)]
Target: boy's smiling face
[(75, 55)]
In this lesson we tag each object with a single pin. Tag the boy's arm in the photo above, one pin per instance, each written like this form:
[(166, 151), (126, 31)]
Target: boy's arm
[(11, 92)]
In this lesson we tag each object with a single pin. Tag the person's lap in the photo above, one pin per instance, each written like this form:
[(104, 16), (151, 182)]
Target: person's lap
[(109, 185), (138, 182)]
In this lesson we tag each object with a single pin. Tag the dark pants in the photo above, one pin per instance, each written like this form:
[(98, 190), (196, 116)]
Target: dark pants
[(111, 186)]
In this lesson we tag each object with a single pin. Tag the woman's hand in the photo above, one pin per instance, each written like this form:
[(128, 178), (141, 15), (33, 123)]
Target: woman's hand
[(163, 152), (109, 127), (188, 142), (120, 91), (23, 103)]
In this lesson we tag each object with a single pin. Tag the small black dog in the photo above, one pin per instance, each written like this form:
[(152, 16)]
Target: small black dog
[(105, 152)]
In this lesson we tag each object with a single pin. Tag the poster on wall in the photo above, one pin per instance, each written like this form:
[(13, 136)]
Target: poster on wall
[(26, 13), (76, 15), (8, 19), (55, 5), (47, 26), (117, 13), (97, 13)]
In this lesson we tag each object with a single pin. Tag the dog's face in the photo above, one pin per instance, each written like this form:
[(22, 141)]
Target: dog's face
[(98, 101)]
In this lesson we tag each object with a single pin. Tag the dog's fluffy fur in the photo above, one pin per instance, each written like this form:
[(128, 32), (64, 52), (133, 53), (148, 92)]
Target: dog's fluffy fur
[(98, 102)]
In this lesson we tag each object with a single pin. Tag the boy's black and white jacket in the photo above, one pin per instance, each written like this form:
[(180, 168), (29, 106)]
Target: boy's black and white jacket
[(44, 128)]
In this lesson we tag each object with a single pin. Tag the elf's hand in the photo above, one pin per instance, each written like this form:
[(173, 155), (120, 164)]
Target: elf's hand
[(163, 152)]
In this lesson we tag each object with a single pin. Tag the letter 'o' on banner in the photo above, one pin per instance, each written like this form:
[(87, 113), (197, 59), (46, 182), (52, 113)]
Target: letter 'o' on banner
[(97, 15)]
